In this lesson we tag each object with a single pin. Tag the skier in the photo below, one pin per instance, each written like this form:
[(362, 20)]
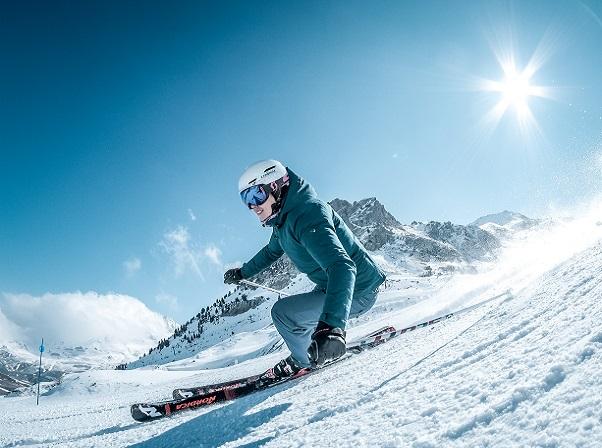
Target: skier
[(320, 245)]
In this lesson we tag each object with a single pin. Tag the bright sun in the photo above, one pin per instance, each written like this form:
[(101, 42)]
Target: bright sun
[(514, 91), (515, 88)]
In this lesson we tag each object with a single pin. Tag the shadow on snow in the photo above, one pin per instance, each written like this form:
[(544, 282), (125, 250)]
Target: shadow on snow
[(219, 426)]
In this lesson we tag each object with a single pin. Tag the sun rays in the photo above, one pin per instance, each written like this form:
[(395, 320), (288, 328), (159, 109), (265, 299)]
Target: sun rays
[(515, 88)]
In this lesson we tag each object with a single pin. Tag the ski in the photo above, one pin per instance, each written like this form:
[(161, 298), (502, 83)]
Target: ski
[(371, 339), (145, 412), (212, 394)]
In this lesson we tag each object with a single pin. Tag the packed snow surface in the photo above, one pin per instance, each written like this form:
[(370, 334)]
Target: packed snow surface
[(523, 371)]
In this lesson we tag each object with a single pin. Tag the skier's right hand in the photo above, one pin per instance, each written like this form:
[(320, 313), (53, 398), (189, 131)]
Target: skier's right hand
[(232, 276), (327, 344)]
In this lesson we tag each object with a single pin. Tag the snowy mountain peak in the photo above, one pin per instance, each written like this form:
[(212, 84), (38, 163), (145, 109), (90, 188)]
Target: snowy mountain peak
[(378, 230), (471, 242), (506, 219), (369, 220), (364, 213)]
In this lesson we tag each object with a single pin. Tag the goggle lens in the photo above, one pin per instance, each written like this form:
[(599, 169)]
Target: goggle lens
[(255, 195)]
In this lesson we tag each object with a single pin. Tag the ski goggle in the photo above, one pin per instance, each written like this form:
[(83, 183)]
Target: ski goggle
[(255, 195)]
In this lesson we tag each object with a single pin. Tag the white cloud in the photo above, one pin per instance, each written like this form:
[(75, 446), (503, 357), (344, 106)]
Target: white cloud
[(214, 254), (184, 255), (115, 322), (8, 330), (132, 266), (167, 299), (191, 214)]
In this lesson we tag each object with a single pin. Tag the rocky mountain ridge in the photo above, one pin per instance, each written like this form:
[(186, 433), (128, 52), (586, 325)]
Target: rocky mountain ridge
[(434, 241)]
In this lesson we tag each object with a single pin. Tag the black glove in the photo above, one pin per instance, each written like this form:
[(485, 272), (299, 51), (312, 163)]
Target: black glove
[(327, 344), (232, 276)]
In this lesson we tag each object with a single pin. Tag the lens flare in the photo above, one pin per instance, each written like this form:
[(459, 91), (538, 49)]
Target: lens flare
[(516, 87), (515, 90)]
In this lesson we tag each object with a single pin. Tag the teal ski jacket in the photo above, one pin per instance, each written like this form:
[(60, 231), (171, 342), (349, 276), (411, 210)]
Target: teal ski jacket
[(320, 244)]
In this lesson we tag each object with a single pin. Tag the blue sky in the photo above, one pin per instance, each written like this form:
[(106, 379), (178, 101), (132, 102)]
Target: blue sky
[(123, 129)]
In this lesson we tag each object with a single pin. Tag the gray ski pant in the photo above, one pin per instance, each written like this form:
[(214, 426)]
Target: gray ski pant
[(295, 317)]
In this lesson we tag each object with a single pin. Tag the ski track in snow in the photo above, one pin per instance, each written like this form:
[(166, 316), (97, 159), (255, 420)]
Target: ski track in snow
[(522, 372)]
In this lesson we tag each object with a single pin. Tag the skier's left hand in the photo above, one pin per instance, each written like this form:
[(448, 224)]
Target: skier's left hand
[(232, 276), (327, 344)]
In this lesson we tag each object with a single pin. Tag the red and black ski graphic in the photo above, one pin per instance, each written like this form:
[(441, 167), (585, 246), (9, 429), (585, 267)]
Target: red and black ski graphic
[(143, 412)]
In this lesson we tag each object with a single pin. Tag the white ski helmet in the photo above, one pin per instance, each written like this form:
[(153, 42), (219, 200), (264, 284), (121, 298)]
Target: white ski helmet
[(261, 173)]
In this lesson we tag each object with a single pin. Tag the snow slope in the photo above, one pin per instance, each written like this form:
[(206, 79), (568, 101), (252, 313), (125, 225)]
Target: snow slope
[(523, 372)]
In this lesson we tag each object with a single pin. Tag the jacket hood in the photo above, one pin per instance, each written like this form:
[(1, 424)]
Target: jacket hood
[(299, 191)]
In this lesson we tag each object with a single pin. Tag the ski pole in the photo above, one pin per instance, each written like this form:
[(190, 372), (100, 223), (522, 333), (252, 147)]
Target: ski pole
[(267, 288)]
